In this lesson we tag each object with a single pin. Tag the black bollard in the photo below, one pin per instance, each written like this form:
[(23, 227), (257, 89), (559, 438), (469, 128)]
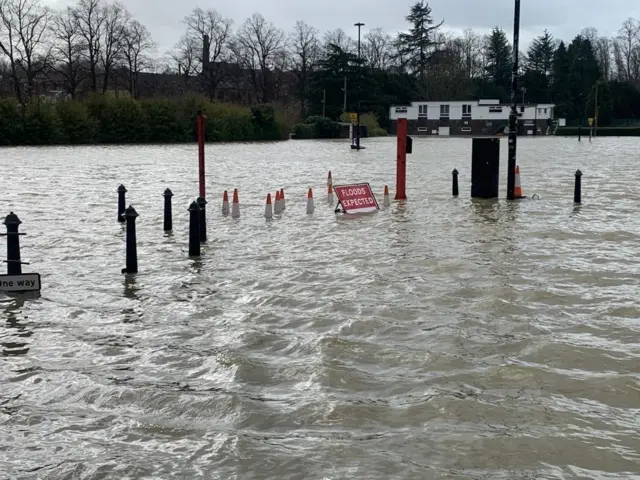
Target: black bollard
[(121, 191), (577, 190), (194, 230), (454, 187), (202, 218), (168, 224), (14, 264), (130, 215)]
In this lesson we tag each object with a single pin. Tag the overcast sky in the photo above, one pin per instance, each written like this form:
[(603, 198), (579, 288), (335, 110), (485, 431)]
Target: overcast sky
[(563, 18)]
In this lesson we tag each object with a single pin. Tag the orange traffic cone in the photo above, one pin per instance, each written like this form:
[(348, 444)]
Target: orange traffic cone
[(387, 201), (235, 207), (283, 205), (277, 209), (517, 189), (268, 208), (310, 205), (225, 204)]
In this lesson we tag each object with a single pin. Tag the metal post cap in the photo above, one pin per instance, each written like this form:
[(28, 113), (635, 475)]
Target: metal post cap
[(121, 189), (167, 193), (578, 173), (201, 201), (194, 206), (131, 212), (455, 172), (12, 219)]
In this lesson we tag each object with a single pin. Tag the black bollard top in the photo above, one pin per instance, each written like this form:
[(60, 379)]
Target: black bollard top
[(131, 212), (201, 202), (167, 193), (12, 219), (455, 172), (121, 189), (193, 207), (578, 173)]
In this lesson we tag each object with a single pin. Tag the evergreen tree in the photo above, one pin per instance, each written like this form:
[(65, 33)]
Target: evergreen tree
[(499, 60), (583, 74), (560, 82), (417, 46), (539, 67)]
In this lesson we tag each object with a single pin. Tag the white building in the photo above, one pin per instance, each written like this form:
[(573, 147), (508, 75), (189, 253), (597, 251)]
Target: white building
[(477, 117)]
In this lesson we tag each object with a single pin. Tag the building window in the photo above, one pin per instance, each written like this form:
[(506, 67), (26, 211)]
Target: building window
[(466, 110), (401, 110), (444, 111), (545, 111), (423, 129), (422, 110), (495, 109)]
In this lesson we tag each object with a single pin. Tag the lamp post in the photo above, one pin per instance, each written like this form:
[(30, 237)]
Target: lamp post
[(513, 116), (359, 25)]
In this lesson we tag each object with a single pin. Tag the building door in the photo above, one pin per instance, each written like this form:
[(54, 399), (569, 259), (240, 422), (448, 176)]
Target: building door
[(444, 131)]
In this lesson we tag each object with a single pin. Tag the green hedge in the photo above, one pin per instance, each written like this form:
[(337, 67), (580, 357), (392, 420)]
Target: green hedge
[(602, 131), (103, 119)]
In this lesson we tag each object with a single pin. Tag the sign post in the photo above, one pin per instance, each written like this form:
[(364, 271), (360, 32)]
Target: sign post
[(15, 280), (200, 127), (353, 117), (355, 198)]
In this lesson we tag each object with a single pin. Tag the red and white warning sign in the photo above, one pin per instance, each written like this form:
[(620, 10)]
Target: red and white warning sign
[(357, 198)]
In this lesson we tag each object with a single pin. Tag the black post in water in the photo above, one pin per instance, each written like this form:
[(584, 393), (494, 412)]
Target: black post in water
[(121, 191), (14, 264), (577, 189), (455, 182), (194, 230), (202, 218), (513, 116), (168, 223), (130, 215)]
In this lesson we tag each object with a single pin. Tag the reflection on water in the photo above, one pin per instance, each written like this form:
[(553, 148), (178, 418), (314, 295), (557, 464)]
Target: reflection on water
[(441, 338)]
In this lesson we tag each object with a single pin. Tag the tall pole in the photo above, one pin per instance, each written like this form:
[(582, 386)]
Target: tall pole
[(359, 24), (513, 116), (581, 96), (200, 127), (324, 101), (344, 89), (597, 109)]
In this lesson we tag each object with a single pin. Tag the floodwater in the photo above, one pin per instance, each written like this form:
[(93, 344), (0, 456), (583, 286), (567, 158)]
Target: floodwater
[(441, 338)]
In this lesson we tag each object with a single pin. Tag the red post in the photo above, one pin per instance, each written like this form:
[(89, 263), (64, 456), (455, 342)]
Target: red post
[(401, 160), (200, 123)]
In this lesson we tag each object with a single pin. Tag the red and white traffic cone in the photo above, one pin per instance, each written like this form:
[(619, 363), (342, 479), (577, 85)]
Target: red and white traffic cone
[(225, 204), (517, 189), (310, 205), (330, 194), (268, 208), (283, 204), (235, 206), (277, 210), (386, 201), (329, 179)]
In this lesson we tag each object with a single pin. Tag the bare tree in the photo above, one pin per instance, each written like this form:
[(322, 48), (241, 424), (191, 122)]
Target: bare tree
[(116, 18), (305, 50), (604, 52), (90, 18), (23, 40), (69, 50), (211, 27), (185, 56), (258, 47), (377, 49), (628, 42), (471, 46), (341, 39), (136, 46)]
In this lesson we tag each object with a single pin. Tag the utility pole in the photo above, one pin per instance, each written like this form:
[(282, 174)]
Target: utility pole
[(597, 109), (359, 24), (513, 116), (344, 89), (324, 101), (582, 105)]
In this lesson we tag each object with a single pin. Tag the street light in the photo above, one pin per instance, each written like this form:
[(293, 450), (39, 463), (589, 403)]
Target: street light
[(357, 147)]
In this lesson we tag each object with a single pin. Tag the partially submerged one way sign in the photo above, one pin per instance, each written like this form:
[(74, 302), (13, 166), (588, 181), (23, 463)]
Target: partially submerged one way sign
[(27, 282), (356, 198)]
